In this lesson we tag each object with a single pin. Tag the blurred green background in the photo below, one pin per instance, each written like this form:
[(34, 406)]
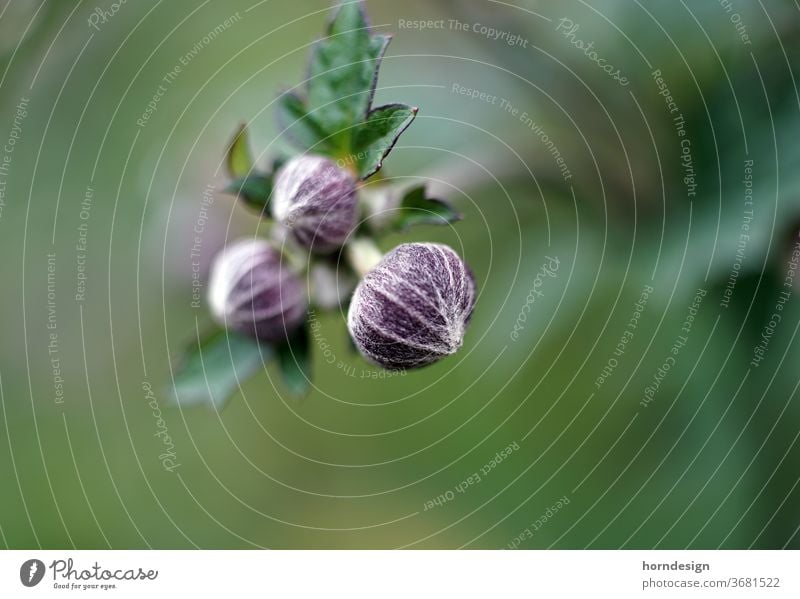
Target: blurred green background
[(711, 460)]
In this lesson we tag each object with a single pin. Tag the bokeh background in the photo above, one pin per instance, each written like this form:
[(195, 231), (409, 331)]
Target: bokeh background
[(702, 454)]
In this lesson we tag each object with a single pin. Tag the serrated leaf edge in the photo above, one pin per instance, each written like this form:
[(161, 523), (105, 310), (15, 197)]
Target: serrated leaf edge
[(406, 124)]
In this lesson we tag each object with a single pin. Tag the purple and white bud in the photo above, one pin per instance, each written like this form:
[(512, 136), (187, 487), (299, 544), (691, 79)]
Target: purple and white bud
[(316, 200), (413, 308), (253, 291)]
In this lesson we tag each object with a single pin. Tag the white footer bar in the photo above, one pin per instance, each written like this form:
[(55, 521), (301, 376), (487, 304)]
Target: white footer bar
[(406, 574)]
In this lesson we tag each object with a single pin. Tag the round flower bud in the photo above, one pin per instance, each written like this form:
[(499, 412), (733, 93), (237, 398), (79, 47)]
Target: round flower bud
[(316, 200), (413, 308), (252, 291)]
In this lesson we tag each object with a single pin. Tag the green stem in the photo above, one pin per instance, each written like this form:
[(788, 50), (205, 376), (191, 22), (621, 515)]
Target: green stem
[(363, 255)]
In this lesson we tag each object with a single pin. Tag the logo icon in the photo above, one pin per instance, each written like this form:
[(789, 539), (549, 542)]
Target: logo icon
[(31, 572)]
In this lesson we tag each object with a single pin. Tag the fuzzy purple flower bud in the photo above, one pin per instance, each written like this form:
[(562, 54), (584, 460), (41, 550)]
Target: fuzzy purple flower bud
[(316, 200), (413, 308), (252, 291)]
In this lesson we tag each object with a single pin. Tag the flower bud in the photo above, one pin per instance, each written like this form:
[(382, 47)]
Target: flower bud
[(252, 291), (413, 308), (316, 200)]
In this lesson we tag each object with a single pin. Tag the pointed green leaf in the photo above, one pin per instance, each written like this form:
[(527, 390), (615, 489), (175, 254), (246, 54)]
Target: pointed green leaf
[(416, 208), (239, 159), (214, 366), (376, 137), (255, 190), (344, 70), (301, 127), (294, 362)]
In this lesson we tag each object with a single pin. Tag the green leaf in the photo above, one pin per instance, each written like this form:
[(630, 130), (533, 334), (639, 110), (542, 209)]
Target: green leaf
[(344, 70), (215, 365), (336, 118), (416, 208), (239, 159), (294, 362), (255, 190), (301, 127), (376, 137)]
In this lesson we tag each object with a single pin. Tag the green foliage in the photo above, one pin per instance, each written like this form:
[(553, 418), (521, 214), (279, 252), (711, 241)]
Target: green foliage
[(343, 71), (251, 187), (294, 362), (255, 190), (336, 117), (416, 208), (214, 366), (302, 128), (239, 159), (376, 136)]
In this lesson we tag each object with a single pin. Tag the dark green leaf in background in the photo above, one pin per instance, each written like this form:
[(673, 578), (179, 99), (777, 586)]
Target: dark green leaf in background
[(416, 208), (255, 190), (302, 128), (294, 362), (250, 186), (213, 367)]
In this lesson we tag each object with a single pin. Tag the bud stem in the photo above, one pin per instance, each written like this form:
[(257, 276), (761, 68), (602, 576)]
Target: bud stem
[(294, 256), (363, 255)]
